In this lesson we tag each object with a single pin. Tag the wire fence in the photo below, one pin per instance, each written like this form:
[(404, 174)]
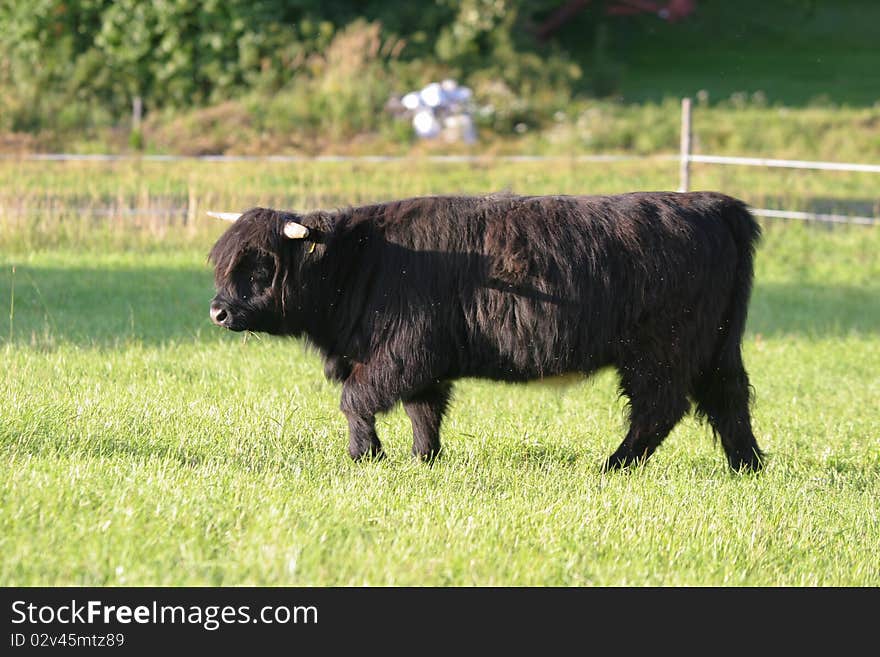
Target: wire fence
[(685, 158)]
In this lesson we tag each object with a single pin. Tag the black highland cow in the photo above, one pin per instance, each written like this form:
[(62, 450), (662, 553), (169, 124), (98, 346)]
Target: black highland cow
[(402, 298)]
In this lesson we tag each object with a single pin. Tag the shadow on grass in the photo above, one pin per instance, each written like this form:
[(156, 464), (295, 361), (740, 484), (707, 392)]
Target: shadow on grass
[(93, 306), (814, 310), (154, 305), (149, 440)]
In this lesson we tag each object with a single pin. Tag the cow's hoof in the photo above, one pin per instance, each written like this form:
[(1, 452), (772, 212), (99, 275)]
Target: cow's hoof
[(368, 455), (748, 462), (429, 458), (617, 461), (624, 458)]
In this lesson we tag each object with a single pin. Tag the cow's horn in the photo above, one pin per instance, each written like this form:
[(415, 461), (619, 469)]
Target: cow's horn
[(225, 216), (295, 231)]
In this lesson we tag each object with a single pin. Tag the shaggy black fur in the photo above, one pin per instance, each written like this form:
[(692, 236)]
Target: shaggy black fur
[(402, 298)]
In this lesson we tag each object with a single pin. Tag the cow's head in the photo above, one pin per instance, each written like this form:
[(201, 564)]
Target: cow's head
[(252, 262)]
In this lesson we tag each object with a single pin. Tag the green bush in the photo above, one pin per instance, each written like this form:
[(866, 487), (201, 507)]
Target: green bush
[(307, 67)]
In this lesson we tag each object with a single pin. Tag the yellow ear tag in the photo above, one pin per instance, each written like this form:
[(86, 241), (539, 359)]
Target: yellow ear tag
[(312, 247)]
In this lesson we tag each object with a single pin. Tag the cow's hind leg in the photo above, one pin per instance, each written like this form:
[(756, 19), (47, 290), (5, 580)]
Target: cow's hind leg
[(425, 409), (722, 396), (656, 403)]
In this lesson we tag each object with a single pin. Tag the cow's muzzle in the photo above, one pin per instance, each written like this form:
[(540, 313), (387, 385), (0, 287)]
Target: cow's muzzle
[(220, 315)]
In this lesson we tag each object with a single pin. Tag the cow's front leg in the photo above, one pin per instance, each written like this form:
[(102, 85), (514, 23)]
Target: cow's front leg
[(362, 439), (364, 395), (425, 409), (337, 368), (375, 387)]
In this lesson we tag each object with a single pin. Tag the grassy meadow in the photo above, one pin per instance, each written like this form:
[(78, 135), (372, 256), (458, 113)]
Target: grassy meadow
[(139, 445)]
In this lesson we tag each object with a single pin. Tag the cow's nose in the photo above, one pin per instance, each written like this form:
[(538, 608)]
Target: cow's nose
[(218, 314)]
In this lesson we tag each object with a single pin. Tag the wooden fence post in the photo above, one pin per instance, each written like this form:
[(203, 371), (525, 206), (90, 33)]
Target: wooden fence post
[(137, 112), (684, 167)]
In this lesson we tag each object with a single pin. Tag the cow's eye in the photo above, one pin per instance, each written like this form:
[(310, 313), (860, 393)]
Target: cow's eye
[(254, 275)]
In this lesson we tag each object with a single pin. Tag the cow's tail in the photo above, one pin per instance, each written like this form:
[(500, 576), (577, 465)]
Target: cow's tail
[(723, 393), (746, 234)]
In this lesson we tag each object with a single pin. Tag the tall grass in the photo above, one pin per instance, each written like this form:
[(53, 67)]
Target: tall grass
[(147, 204), (743, 124), (12, 305)]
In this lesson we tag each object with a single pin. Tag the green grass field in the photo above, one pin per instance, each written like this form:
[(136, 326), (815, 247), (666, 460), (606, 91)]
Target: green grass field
[(139, 445)]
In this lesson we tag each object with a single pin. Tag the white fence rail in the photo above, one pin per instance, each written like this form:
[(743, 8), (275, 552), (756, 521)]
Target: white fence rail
[(785, 164), (813, 216)]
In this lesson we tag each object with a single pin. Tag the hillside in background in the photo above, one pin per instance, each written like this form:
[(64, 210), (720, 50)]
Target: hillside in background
[(793, 52)]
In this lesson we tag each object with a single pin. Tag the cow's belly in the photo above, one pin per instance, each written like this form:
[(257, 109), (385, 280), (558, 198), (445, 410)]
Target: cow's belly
[(533, 360), (522, 334)]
